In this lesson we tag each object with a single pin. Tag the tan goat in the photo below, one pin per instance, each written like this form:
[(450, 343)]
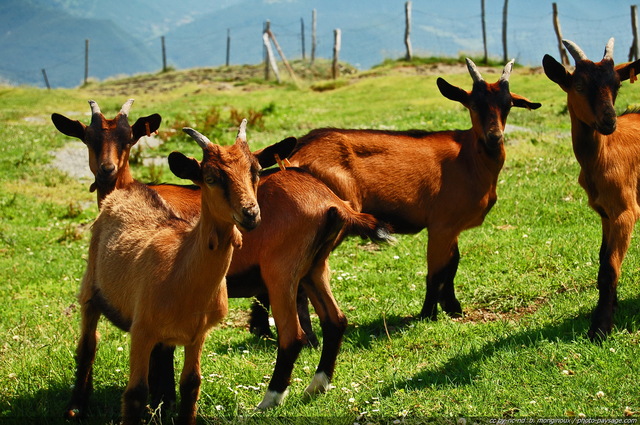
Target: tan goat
[(162, 278), (607, 148)]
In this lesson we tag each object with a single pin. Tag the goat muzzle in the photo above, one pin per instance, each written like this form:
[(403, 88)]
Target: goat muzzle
[(606, 125), (250, 218)]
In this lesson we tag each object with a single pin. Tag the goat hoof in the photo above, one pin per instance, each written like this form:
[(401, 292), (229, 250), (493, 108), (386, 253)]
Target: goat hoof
[(319, 385), (272, 399), (73, 413)]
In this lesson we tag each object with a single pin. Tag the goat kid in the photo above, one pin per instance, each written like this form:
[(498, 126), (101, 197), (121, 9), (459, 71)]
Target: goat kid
[(444, 181), (109, 142), (607, 148), (161, 277)]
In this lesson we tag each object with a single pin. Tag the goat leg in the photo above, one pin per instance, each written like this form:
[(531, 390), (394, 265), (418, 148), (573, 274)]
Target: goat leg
[(85, 356), (448, 300), (190, 381), (162, 383), (259, 319)]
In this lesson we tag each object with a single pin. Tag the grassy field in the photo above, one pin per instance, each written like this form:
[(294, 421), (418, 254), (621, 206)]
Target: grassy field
[(526, 279)]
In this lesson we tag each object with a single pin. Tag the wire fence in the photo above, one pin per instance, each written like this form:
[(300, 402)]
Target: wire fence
[(435, 32)]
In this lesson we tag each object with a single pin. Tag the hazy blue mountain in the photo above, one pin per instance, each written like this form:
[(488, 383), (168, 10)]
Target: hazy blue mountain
[(125, 34)]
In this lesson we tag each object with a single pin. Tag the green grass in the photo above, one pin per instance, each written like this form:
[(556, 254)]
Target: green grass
[(526, 279)]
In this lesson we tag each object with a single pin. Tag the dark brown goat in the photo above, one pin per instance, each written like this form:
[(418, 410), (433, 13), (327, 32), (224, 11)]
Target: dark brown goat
[(444, 181), (142, 255), (607, 148), (302, 220)]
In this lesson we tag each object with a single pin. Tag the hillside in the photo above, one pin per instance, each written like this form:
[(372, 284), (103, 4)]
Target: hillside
[(36, 37), (125, 36)]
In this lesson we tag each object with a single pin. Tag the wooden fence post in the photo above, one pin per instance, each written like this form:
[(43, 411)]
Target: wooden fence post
[(505, 56), (484, 33), (228, 46), (46, 80), (267, 50), (335, 69), (86, 61), (164, 55), (556, 26), (313, 35), (271, 60), (407, 30), (633, 51), (302, 37), (284, 59)]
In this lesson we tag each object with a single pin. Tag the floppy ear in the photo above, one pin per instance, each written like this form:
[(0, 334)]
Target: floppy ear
[(452, 92), (626, 70), (283, 149), (522, 102), (556, 72), (140, 129), (68, 127), (184, 167)]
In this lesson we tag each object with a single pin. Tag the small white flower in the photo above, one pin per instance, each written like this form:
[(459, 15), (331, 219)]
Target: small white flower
[(352, 400), (395, 257), (120, 349), (219, 408), (600, 394)]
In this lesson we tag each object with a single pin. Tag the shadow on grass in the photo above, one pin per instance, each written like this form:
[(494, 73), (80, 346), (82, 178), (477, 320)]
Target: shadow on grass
[(46, 406), (460, 369)]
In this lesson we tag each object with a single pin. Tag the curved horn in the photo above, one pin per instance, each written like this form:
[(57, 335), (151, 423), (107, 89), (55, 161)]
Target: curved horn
[(95, 109), (506, 72), (608, 50), (473, 70), (202, 140), (242, 131), (575, 51), (126, 107)]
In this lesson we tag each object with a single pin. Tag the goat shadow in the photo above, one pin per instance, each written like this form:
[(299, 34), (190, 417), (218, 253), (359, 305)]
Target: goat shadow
[(46, 406), (460, 369)]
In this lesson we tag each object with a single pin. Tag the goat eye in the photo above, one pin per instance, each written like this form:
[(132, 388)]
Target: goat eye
[(210, 180), (579, 87)]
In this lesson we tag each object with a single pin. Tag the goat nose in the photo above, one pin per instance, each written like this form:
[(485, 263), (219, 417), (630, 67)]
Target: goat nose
[(494, 138), (251, 212), (108, 167)]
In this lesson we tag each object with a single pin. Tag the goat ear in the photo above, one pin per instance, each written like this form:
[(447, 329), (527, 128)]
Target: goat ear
[(452, 92), (68, 126), (523, 102), (184, 167), (556, 72), (144, 126), (283, 149), (626, 70)]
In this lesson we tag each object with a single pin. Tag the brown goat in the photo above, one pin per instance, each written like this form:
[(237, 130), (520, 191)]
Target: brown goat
[(141, 255), (302, 220), (607, 148), (444, 181)]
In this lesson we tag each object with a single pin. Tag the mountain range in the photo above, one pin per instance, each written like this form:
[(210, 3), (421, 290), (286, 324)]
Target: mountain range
[(124, 35)]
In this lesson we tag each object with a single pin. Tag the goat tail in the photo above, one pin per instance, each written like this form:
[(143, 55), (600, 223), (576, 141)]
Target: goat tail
[(366, 226)]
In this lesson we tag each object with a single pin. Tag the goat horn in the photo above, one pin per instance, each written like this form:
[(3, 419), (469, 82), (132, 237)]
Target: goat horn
[(95, 109), (202, 140), (575, 51), (126, 107), (242, 131), (506, 72), (608, 50), (473, 70)]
